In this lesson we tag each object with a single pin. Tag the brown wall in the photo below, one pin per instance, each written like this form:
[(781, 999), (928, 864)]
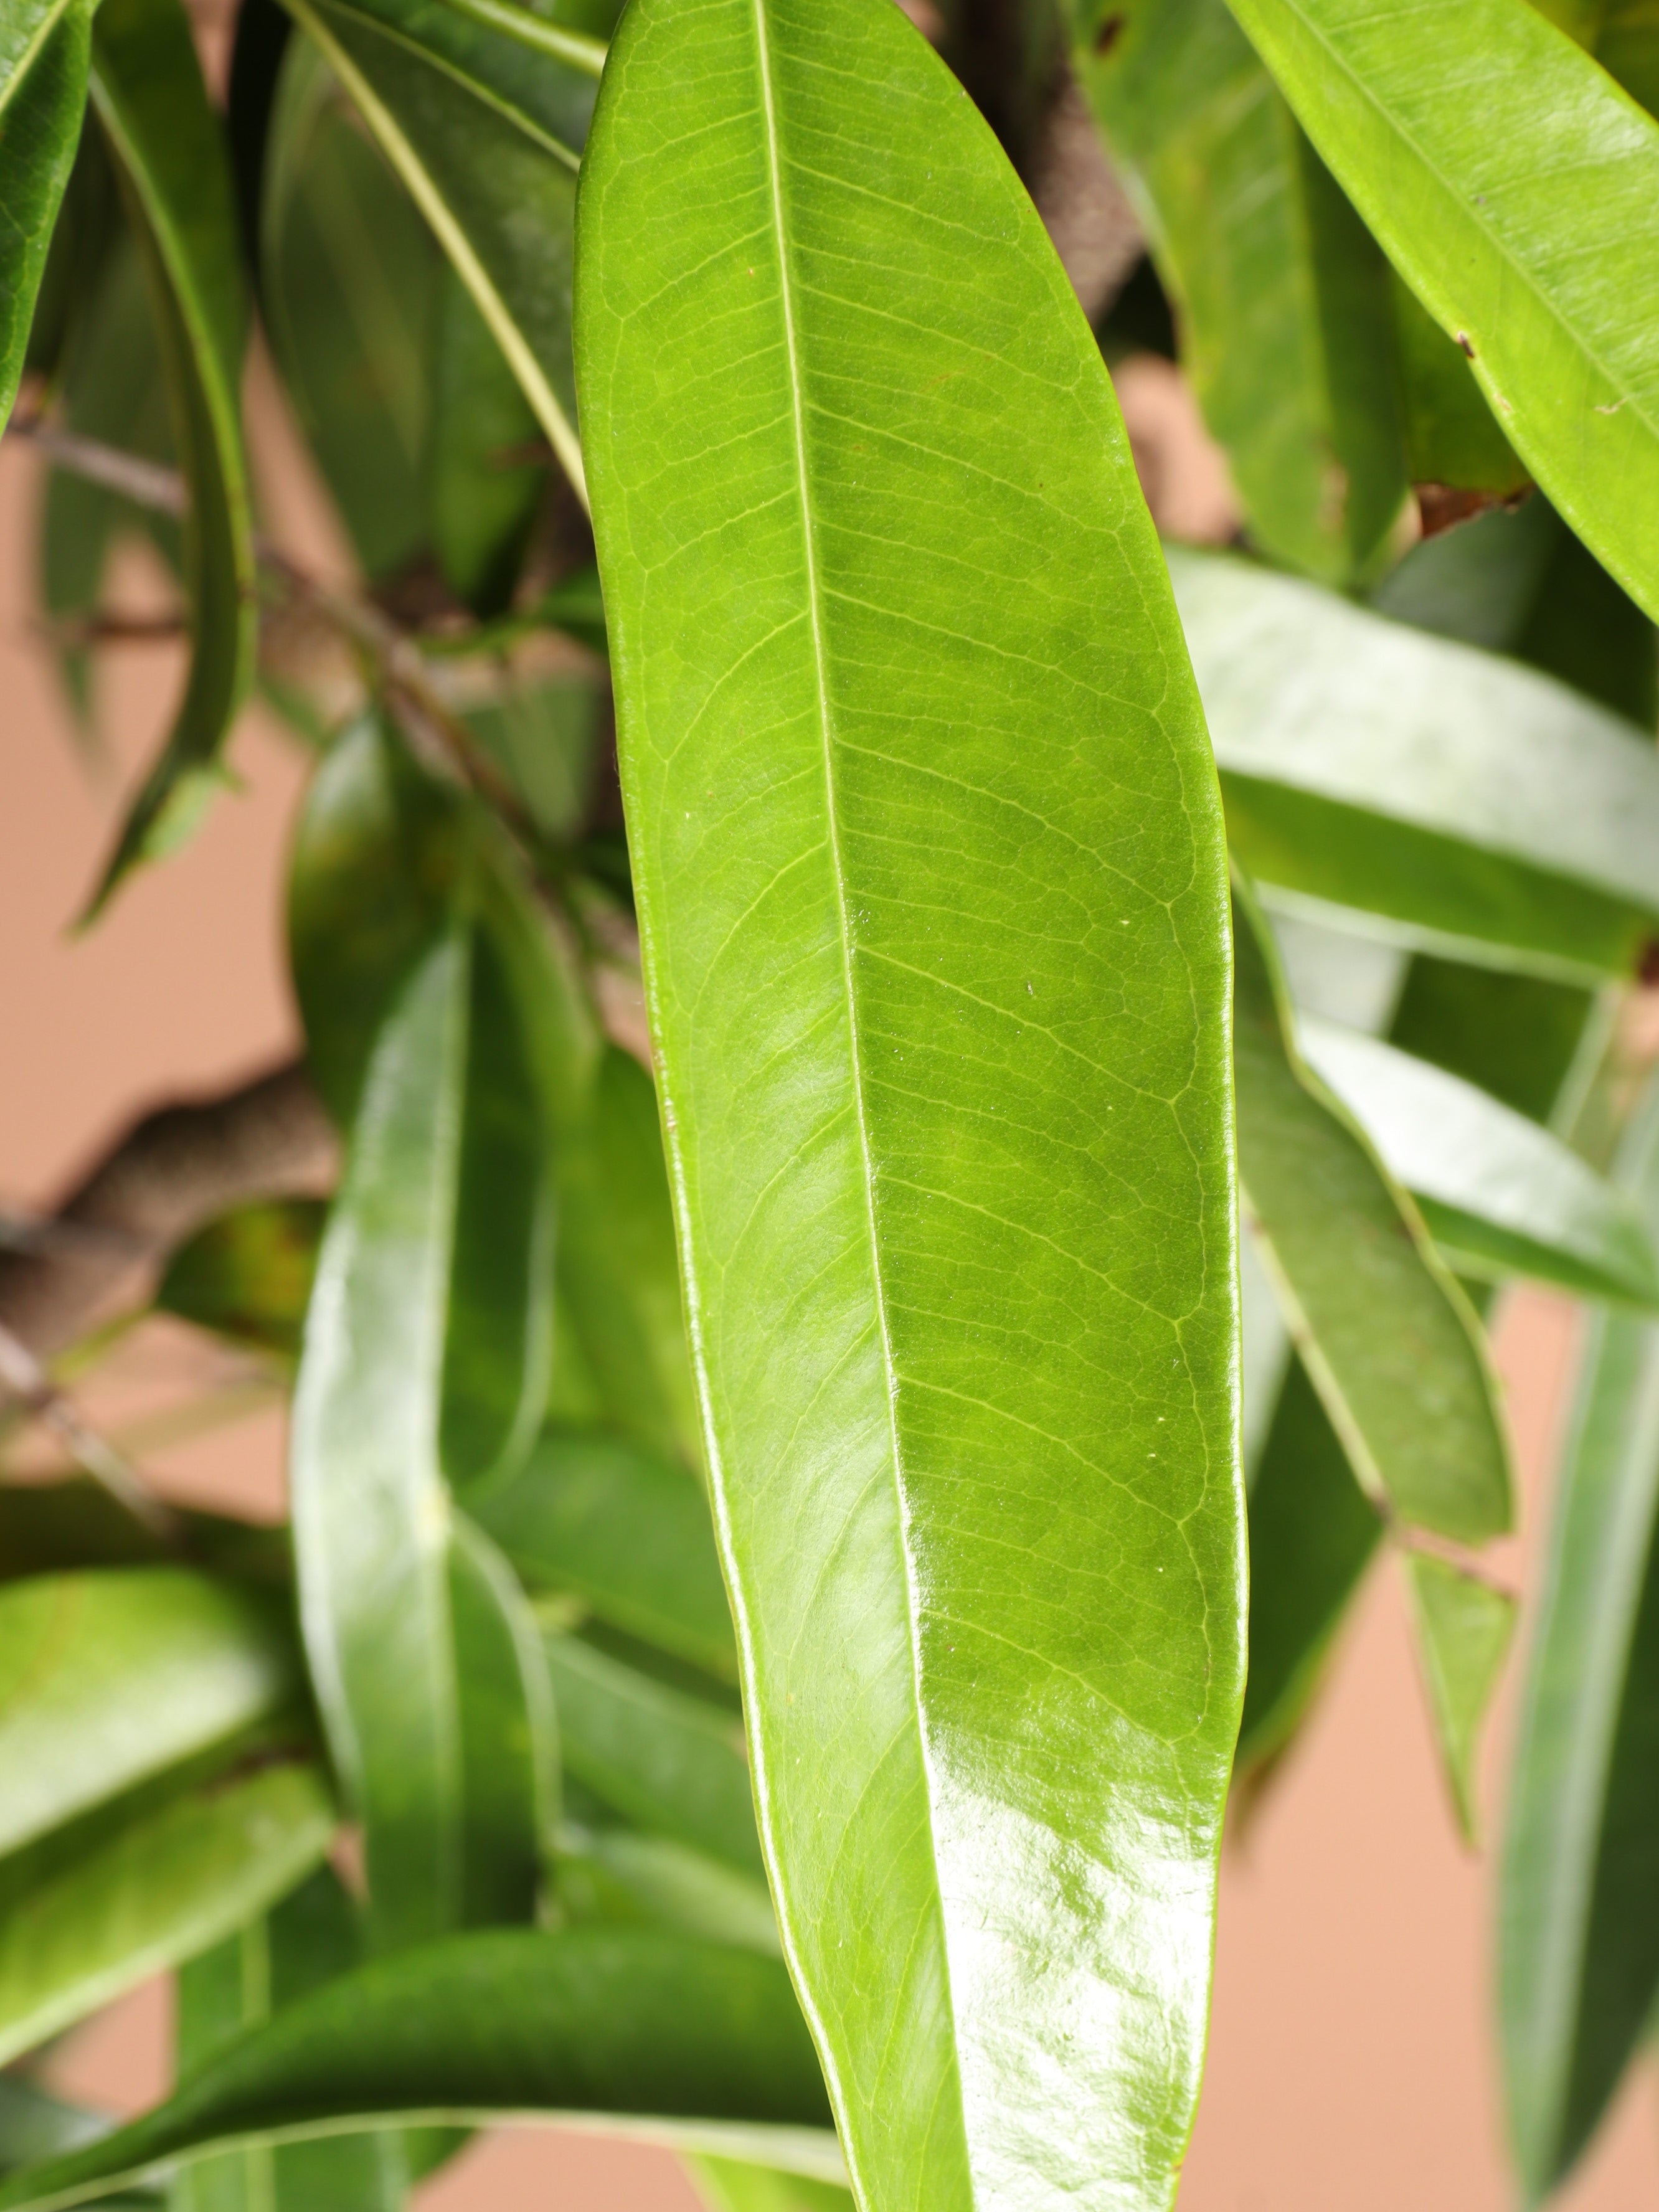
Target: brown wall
[(1351, 2068)]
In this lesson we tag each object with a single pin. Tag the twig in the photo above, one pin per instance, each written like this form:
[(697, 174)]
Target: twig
[(146, 484), (24, 1378)]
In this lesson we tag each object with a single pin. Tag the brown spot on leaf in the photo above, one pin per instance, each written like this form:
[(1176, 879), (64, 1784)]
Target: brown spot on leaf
[(1466, 343), (1109, 34)]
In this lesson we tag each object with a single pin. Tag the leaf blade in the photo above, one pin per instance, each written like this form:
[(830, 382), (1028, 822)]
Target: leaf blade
[(44, 49)]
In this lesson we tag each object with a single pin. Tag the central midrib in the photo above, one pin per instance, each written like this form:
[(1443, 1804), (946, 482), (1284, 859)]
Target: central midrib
[(775, 174)]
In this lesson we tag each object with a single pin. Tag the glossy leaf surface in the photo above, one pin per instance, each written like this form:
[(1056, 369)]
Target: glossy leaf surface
[(1285, 320), (1482, 205), (1578, 1951), (481, 112), (44, 49), (107, 1678), (1463, 1631), (674, 2036), (1372, 765), (148, 90), (1387, 1340), (1500, 1193), (930, 880), (84, 1922), (594, 1515)]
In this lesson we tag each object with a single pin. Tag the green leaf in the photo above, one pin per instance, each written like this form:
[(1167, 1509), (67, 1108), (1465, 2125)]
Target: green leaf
[(44, 48), (1483, 203), (1389, 1340), (613, 1873), (146, 88), (247, 1276), (1627, 47), (1367, 763), (1452, 437), (34, 2126), (109, 1678), (1463, 1631), (482, 109), (484, 474), (1499, 1194), (930, 880), (672, 1764), (410, 1633), (590, 1513), (619, 1266), (48, 1527), (727, 2186), (1578, 1951), (1283, 300), (350, 286), (149, 1890), (1516, 1036), (689, 2042)]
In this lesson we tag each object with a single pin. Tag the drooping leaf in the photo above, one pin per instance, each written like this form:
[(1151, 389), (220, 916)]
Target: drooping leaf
[(591, 1514), (1371, 765), (930, 882), (146, 88), (247, 1276), (482, 111), (486, 468), (109, 1678), (82, 1923), (44, 49), (1481, 204), (688, 2041), (1388, 1339), (669, 1764), (1463, 1631), (608, 1872), (1286, 318), (1578, 1948), (727, 2186), (1499, 1194), (350, 285)]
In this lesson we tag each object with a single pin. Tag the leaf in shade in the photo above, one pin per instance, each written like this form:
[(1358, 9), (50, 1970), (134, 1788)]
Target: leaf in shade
[(1388, 1339), (247, 1276), (1481, 204), (930, 880), (1370, 765), (486, 466), (146, 88), (669, 1764), (1516, 1036), (591, 1514), (611, 1873), (1578, 1943), (685, 2041), (1283, 309), (1452, 437), (1627, 47), (349, 279), (1463, 1631), (143, 1887), (107, 1678), (1499, 1194), (482, 110), (727, 2186), (46, 1528), (35, 2125), (44, 49)]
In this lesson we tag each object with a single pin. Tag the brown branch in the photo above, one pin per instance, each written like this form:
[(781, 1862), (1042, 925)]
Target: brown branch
[(171, 1172), (22, 1378)]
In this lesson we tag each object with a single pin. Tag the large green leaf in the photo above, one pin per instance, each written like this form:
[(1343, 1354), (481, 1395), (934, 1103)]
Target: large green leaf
[(1578, 1948), (44, 49), (672, 1765), (107, 1678), (1286, 324), (683, 2041), (147, 90), (591, 1514), (931, 888), (1484, 203), (90, 1917), (1500, 1194), (1388, 1339), (1368, 763), (482, 109), (412, 1635)]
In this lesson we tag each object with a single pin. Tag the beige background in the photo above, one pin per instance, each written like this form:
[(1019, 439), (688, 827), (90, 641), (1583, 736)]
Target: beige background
[(1351, 2068)]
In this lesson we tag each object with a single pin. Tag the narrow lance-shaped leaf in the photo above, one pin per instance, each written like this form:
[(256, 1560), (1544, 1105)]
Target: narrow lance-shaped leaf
[(1367, 763), (1388, 1339), (932, 901), (1483, 203), (1286, 325), (482, 109), (148, 90), (1463, 1631), (44, 48), (686, 2041), (1578, 1949)]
